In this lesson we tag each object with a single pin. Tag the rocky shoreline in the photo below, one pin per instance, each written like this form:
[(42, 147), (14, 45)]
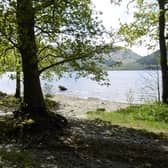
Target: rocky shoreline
[(73, 106)]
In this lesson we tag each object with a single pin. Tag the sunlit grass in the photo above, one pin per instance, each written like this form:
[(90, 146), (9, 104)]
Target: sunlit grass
[(151, 117)]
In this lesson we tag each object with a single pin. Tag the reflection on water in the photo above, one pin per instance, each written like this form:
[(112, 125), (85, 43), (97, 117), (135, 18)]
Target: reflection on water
[(126, 86)]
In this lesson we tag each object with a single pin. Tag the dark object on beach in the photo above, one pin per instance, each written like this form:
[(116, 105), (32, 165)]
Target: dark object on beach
[(62, 88)]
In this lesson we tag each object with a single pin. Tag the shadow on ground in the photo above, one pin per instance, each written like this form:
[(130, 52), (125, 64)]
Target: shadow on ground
[(84, 144)]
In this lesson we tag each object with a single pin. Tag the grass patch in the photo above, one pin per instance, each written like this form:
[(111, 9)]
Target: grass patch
[(18, 158), (151, 117), (9, 101), (51, 104)]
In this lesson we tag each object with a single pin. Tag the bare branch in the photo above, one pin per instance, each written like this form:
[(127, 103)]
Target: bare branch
[(132, 1), (12, 42)]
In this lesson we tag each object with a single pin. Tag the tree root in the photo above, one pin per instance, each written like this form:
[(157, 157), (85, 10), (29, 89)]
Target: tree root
[(40, 120)]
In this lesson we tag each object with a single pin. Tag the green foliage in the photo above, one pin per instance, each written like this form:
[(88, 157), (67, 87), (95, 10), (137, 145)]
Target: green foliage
[(51, 104), (8, 36), (145, 25), (73, 30), (65, 32), (150, 116), (7, 59), (140, 2)]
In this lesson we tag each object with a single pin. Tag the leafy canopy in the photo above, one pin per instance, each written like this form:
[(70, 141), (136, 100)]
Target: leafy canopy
[(67, 35), (143, 30)]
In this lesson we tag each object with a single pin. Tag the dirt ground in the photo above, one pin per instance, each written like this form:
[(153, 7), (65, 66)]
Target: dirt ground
[(83, 143), (88, 144)]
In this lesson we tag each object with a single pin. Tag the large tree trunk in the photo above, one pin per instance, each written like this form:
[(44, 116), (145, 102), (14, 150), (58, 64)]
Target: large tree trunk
[(33, 97), (163, 52)]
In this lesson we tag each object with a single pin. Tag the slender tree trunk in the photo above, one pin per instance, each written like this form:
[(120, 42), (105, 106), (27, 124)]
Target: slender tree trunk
[(18, 76), (158, 85), (33, 97), (18, 88), (163, 52)]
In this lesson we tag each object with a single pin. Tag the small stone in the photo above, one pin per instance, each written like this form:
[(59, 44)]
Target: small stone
[(50, 157), (148, 165)]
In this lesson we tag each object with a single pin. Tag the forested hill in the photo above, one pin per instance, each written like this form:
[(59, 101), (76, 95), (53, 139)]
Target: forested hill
[(121, 54), (120, 58), (152, 59)]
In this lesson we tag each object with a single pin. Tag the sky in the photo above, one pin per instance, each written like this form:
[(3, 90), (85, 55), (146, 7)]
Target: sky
[(112, 14)]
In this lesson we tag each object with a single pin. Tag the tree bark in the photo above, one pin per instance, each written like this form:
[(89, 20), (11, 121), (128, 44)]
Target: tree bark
[(33, 96), (163, 52)]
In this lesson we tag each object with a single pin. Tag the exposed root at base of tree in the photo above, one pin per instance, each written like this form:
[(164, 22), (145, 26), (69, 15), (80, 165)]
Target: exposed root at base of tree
[(40, 120)]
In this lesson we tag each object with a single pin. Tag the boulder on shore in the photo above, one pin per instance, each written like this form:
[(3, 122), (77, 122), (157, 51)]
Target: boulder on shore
[(62, 88)]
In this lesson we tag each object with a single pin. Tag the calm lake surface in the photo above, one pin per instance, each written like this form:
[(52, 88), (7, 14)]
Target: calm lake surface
[(126, 86)]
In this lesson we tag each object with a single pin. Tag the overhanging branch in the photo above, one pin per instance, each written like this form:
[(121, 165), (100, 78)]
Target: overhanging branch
[(62, 62), (97, 50)]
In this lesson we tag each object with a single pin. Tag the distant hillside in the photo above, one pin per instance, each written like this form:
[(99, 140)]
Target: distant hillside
[(120, 54), (120, 58), (152, 59)]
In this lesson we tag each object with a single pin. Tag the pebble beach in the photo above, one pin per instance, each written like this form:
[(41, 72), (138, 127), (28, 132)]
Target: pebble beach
[(73, 106)]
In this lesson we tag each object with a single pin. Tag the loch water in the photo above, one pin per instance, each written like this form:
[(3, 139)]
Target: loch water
[(125, 86)]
